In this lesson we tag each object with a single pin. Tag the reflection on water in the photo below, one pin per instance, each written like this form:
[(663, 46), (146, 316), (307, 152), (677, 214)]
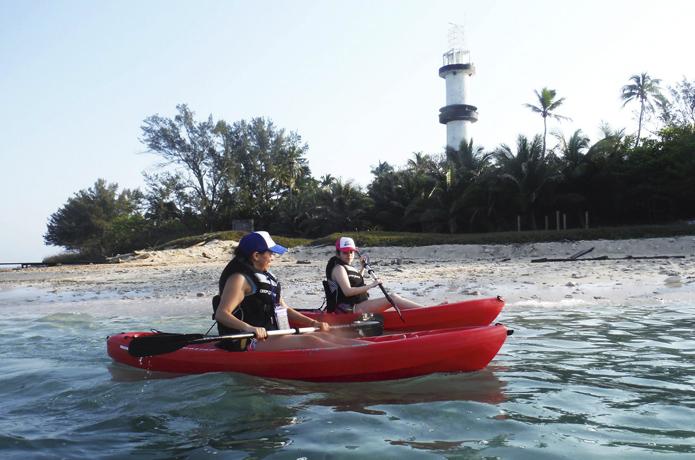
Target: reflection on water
[(482, 386)]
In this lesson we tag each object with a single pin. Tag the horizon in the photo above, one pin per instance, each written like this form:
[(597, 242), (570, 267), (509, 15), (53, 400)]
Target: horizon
[(357, 81)]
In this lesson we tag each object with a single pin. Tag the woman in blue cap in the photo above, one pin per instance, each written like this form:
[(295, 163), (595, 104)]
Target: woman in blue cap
[(249, 300)]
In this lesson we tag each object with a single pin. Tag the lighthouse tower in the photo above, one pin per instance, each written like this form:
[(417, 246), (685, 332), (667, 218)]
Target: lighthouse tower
[(456, 70)]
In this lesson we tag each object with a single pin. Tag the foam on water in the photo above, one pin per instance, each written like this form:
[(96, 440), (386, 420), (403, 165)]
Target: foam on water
[(562, 303)]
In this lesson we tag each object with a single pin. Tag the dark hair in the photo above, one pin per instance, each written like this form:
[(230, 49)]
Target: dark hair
[(240, 255)]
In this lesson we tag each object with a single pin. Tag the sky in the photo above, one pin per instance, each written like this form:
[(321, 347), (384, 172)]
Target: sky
[(358, 80)]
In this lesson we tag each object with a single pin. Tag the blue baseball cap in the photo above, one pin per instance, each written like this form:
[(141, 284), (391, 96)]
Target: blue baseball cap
[(259, 242)]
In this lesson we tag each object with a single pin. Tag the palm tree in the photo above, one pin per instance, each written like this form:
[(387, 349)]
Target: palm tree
[(463, 169), (547, 104), (326, 180), (573, 149), (644, 89), (528, 170), (421, 179), (575, 169), (613, 145)]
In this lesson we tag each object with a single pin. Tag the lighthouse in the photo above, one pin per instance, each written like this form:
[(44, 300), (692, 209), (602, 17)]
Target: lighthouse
[(456, 71)]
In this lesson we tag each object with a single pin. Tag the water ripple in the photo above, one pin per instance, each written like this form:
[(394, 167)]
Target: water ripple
[(572, 382)]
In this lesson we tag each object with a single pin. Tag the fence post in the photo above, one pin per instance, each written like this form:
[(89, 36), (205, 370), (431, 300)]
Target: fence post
[(518, 223), (557, 220), (586, 219)]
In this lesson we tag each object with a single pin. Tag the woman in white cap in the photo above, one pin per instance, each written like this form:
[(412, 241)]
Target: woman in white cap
[(249, 300), (352, 292)]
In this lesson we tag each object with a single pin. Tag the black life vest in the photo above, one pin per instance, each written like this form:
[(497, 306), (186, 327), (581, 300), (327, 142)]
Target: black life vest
[(354, 277), (257, 309)]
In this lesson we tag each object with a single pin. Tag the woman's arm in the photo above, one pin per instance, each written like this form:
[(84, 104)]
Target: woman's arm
[(235, 289), (294, 315), (339, 275)]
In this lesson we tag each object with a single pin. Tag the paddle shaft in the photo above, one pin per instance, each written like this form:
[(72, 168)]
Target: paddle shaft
[(250, 335), (157, 344), (381, 286), (291, 331)]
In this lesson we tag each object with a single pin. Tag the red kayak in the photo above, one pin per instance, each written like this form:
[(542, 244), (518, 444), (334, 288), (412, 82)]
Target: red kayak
[(372, 358), (475, 312)]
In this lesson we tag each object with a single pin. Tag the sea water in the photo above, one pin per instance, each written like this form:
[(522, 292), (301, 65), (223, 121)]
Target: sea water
[(574, 381)]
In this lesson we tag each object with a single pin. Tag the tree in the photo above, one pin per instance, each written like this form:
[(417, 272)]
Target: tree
[(679, 109), (645, 90), (464, 169), (547, 104), (197, 152), (422, 180), (407, 198), (334, 207), (573, 149), (270, 164), (98, 221), (391, 195), (605, 183), (167, 208), (529, 171), (575, 168)]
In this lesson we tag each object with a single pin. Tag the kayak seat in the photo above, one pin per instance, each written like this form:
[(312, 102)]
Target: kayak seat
[(330, 288)]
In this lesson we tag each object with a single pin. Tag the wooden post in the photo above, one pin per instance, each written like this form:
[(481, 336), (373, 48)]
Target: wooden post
[(546, 222), (586, 219), (564, 221), (557, 220), (518, 223)]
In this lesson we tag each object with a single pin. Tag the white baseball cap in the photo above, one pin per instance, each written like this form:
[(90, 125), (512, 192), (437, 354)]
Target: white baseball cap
[(345, 244)]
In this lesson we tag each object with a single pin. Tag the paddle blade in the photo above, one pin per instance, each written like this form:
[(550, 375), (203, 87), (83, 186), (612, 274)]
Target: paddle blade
[(158, 344)]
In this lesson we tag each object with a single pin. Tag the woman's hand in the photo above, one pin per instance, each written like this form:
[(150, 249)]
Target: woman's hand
[(323, 327), (259, 332), (375, 283)]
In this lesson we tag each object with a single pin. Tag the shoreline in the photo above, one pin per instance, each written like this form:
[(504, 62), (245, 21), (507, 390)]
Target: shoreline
[(428, 274)]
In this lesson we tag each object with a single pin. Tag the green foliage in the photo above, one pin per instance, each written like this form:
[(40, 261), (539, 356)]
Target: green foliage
[(124, 233), (530, 172), (409, 239), (216, 172), (91, 220), (679, 109), (269, 165), (202, 167)]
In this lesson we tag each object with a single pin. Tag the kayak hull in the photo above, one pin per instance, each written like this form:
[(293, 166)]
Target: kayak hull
[(385, 357), (475, 312)]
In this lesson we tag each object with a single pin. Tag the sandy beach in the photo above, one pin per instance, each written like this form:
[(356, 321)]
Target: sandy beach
[(431, 274)]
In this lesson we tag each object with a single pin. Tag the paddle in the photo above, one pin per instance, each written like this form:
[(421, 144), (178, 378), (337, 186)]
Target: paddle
[(365, 261), (165, 342)]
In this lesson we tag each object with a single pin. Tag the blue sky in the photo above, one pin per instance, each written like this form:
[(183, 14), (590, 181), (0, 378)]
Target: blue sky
[(357, 80)]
